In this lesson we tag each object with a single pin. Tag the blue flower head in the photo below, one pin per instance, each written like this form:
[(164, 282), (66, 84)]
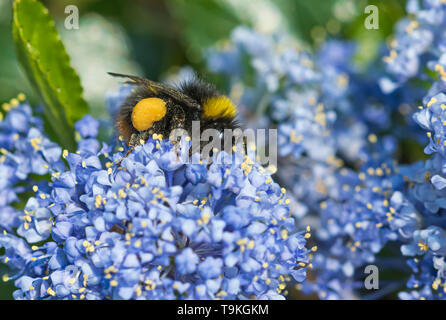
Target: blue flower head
[(153, 227)]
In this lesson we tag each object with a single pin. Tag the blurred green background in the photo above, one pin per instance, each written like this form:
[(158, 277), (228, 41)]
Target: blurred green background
[(155, 38)]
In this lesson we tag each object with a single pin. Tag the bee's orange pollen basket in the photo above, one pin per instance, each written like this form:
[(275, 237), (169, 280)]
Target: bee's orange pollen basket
[(147, 111)]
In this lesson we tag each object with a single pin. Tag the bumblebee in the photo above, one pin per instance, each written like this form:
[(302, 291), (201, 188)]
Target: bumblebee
[(154, 108)]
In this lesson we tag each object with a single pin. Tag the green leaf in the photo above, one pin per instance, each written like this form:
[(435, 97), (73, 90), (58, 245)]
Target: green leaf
[(303, 15), (47, 65), (203, 22)]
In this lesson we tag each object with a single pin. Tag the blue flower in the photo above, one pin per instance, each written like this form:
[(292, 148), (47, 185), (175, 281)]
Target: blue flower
[(186, 261), (87, 127), (164, 225), (155, 227), (431, 239)]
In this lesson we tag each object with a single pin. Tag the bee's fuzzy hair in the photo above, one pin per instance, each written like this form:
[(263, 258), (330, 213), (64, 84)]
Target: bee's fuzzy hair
[(201, 92), (194, 88), (198, 89), (123, 118)]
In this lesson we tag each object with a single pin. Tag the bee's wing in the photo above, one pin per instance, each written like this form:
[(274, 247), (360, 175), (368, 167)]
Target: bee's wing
[(157, 88)]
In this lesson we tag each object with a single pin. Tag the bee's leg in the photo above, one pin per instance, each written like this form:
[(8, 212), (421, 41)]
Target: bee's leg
[(143, 136), (135, 140), (178, 119), (129, 151), (177, 123), (139, 138)]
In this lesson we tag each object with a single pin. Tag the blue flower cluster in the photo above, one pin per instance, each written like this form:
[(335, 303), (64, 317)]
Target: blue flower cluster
[(152, 225), (419, 49), (339, 134), (321, 137), (24, 152), (161, 224), (417, 44)]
